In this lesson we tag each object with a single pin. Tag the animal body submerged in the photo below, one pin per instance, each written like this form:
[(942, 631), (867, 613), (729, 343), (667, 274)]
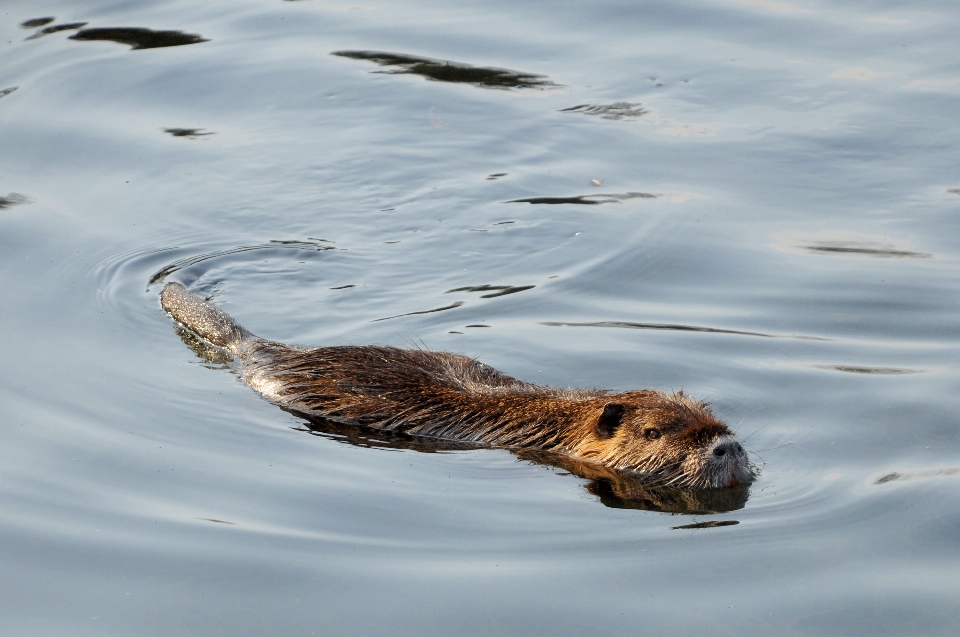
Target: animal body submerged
[(669, 438)]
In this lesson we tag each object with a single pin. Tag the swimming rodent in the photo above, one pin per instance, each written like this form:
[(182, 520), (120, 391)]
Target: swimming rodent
[(669, 439)]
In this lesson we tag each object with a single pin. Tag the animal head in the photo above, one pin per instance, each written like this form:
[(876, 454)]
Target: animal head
[(669, 438)]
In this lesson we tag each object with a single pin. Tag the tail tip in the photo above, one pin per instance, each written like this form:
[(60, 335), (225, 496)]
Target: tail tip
[(201, 318), (172, 295)]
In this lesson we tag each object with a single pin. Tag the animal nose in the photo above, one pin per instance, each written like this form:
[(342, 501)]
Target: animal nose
[(722, 449)]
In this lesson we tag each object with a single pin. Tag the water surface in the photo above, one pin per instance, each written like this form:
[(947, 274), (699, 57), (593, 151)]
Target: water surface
[(753, 201)]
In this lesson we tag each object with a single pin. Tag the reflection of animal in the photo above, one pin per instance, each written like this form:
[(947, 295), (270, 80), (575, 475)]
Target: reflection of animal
[(621, 490), (669, 438)]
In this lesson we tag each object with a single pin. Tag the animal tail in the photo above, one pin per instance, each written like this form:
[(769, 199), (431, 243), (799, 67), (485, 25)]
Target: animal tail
[(203, 319)]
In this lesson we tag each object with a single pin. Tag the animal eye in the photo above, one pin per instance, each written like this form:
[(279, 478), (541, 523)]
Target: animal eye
[(653, 434)]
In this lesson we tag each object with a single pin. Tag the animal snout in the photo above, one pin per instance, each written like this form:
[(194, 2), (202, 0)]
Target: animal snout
[(727, 447)]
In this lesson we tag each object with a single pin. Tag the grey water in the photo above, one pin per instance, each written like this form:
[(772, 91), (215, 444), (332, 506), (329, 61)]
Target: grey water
[(755, 201)]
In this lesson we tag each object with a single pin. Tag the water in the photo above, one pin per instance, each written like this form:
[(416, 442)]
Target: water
[(754, 200)]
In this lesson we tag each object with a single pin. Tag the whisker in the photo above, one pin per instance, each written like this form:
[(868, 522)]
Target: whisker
[(758, 431), (740, 424)]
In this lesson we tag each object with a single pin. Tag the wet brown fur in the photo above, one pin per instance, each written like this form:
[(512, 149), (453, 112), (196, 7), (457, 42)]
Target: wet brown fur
[(452, 397)]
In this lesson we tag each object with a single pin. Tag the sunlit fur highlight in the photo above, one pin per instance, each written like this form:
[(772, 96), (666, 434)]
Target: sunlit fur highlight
[(453, 397)]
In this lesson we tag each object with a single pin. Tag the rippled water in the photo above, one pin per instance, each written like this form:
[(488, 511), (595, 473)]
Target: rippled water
[(753, 200)]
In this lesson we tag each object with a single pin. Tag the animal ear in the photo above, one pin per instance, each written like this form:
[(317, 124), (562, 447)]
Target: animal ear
[(609, 420)]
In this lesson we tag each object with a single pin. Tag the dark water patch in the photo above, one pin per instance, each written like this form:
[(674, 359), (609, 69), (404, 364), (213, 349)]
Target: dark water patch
[(180, 264), (678, 328), (954, 191), (447, 71), (581, 199), (889, 371), (436, 309), (477, 325), (190, 133), (213, 357), (588, 200), (7, 91), (454, 332), (866, 250), (138, 38), (13, 199), (495, 290), (344, 287), (712, 524), (216, 520), (496, 176), (57, 28), (503, 223), (845, 243), (33, 23), (617, 110)]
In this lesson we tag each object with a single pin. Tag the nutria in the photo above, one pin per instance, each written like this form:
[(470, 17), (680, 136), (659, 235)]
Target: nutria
[(669, 439)]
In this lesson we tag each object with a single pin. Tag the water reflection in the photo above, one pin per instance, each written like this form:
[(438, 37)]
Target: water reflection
[(918, 474), (712, 524), (12, 199), (845, 243), (866, 250), (853, 369), (587, 200), (629, 491), (495, 290), (617, 110), (139, 38), (36, 22), (179, 264), (191, 133), (57, 28), (678, 328), (436, 309), (447, 71), (212, 357)]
